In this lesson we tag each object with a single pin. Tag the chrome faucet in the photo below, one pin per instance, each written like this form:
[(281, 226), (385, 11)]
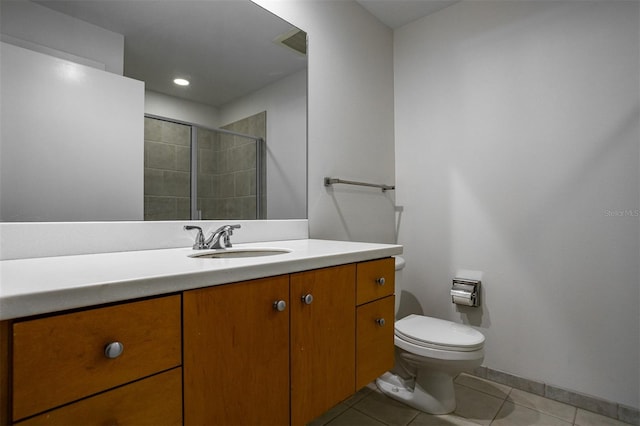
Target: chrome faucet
[(219, 239)]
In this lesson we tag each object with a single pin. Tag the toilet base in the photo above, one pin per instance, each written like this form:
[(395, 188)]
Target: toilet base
[(431, 392)]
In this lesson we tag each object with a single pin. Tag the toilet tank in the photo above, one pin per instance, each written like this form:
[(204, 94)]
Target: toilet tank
[(400, 262)]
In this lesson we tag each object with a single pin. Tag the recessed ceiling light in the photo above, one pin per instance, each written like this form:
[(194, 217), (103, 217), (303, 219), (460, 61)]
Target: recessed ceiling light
[(181, 81)]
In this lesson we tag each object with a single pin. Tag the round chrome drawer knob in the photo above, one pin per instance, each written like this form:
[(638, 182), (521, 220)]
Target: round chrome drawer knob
[(113, 350), (381, 322), (307, 299), (380, 281), (279, 305)]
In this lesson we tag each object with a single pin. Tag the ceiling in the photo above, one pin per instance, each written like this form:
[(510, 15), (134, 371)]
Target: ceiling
[(396, 13), (226, 48)]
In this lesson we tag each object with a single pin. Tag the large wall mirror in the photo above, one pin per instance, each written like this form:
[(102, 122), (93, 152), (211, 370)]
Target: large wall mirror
[(94, 127)]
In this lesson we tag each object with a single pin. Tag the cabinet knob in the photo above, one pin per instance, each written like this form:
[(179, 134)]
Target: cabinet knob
[(279, 305), (307, 299), (381, 322), (113, 350), (380, 281)]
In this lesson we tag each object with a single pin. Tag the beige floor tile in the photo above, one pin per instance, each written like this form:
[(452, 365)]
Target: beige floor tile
[(544, 405), (353, 417), (476, 406), (486, 386), (479, 402), (587, 418), (424, 419), (385, 409), (511, 414)]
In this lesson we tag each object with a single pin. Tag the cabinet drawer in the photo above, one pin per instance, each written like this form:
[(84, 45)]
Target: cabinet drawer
[(376, 279), (154, 401), (374, 347), (61, 358)]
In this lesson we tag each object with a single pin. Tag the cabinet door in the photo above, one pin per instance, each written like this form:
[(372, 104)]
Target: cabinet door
[(236, 354), (322, 340), (375, 347)]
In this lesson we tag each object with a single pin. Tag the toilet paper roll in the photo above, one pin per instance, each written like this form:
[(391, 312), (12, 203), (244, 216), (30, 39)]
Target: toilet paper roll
[(462, 297), (462, 300)]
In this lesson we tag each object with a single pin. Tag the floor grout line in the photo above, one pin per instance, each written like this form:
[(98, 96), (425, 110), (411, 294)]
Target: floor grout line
[(413, 418), (371, 416), (499, 409)]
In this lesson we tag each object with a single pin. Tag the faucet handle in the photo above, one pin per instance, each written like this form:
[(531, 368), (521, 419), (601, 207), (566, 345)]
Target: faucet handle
[(199, 243), (228, 233), (232, 227)]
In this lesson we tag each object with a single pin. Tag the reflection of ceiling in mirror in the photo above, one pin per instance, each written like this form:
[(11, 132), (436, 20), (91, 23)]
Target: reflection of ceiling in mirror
[(214, 44), (395, 16)]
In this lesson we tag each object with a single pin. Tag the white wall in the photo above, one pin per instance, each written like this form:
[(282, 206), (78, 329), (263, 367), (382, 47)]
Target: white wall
[(166, 106), (286, 104), (350, 117), (36, 27), (66, 157), (517, 150)]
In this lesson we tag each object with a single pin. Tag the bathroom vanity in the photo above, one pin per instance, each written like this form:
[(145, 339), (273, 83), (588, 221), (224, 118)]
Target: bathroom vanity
[(158, 337)]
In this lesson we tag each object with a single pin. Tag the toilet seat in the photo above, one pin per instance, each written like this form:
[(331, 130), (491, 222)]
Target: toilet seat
[(433, 333)]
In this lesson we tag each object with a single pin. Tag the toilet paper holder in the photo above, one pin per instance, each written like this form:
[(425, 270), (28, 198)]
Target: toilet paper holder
[(465, 292)]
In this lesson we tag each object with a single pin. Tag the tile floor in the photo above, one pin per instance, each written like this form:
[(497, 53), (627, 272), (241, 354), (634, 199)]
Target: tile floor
[(480, 402)]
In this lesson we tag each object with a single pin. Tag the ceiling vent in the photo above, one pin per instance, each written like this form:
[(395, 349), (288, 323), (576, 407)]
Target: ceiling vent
[(295, 39)]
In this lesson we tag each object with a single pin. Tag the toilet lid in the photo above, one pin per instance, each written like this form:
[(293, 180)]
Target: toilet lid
[(437, 333)]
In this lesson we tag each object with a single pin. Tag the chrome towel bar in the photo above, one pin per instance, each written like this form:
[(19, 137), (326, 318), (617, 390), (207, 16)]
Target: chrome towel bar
[(328, 181)]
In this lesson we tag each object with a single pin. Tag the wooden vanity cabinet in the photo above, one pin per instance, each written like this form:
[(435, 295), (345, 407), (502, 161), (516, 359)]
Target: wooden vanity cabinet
[(236, 354), (61, 359), (322, 340), (153, 401), (375, 319), (5, 368), (248, 363), (271, 351)]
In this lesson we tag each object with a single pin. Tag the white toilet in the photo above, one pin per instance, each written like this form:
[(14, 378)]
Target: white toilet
[(430, 353)]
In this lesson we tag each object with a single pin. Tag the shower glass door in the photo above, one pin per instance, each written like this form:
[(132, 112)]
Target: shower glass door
[(192, 172)]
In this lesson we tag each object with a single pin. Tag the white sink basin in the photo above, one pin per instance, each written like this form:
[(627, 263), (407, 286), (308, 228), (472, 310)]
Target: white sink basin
[(240, 252)]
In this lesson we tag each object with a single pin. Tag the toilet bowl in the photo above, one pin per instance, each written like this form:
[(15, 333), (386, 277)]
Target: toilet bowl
[(430, 353)]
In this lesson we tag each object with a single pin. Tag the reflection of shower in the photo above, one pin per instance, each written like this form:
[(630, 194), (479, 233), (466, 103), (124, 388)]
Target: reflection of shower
[(193, 172)]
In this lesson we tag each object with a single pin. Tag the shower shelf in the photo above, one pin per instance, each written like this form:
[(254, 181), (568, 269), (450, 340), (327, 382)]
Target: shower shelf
[(328, 181)]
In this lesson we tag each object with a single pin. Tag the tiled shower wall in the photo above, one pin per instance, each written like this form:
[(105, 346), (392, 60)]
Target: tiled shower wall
[(237, 196), (167, 165), (226, 171)]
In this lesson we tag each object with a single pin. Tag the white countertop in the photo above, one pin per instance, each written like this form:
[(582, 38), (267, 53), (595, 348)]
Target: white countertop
[(50, 284)]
